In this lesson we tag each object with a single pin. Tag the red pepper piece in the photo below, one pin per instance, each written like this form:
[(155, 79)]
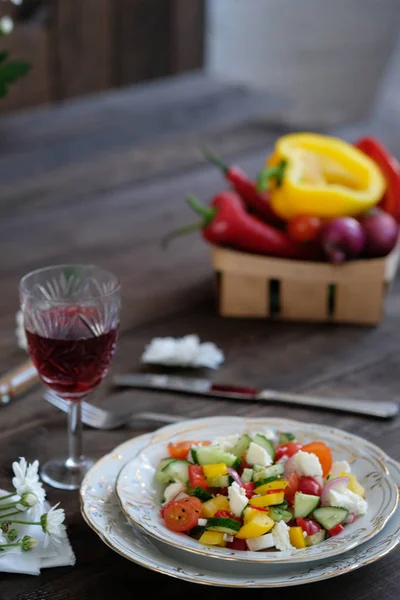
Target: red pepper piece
[(390, 169), (249, 488), (335, 530), (258, 202), (226, 223), (237, 544)]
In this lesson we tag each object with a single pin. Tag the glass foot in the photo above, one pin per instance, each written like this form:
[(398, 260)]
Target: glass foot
[(65, 474)]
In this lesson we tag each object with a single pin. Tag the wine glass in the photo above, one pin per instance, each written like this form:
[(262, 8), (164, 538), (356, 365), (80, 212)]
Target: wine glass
[(71, 320)]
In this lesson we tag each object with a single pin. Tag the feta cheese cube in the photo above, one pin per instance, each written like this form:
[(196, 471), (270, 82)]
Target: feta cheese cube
[(172, 490), (271, 435), (338, 467), (202, 522), (258, 456), (227, 442), (228, 538), (262, 542), (280, 534), (237, 498), (348, 500), (307, 464)]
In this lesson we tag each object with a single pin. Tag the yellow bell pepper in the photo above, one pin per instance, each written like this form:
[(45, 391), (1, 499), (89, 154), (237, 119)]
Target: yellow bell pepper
[(210, 507), (212, 538), (321, 176), (297, 538), (215, 470), (279, 484), (267, 499), (258, 525), (354, 485)]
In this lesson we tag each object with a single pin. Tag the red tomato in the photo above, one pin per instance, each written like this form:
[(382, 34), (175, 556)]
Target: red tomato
[(180, 450), (303, 228), (308, 485), (197, 477), (183, 514), (308, 525), (287, 450), (323, 453), (237, 544), (335, 530), (249, 487), (291, 487)]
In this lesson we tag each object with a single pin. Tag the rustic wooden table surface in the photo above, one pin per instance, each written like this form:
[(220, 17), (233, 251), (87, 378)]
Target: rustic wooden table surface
[(101, 180)]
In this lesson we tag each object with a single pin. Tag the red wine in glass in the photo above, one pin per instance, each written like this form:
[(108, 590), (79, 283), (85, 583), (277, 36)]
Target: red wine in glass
[(75, 362)]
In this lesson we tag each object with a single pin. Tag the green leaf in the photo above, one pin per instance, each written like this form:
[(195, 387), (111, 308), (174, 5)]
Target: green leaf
[(10, 72), (3, 56)]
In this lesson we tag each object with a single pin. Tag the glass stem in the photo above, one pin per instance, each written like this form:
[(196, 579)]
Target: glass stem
[(75, 455)]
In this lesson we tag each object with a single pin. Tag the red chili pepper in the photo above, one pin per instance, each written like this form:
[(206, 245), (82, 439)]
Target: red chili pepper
[(390, 169), (258, 202), (226, 223)]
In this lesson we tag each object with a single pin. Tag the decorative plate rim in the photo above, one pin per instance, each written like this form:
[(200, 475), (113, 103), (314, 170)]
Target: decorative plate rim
[(258, 557)]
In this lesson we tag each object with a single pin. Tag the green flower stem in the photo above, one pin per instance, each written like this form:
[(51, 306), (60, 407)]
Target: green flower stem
[(8, 545), (16, 512), (24, 522), (8, 506), (8, 496)]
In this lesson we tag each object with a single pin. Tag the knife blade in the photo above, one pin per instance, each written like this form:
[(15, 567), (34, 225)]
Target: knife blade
[(204, 387)]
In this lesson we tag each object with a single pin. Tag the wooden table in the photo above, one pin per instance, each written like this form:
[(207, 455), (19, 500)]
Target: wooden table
[(101, 180)]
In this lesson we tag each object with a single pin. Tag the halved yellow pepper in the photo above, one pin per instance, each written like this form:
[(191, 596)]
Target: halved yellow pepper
[(215, 470), (267, 499), (323, 176), (297, 538), (258, 525), (354, 485), (279, 484), (212, 538), (210, 507)]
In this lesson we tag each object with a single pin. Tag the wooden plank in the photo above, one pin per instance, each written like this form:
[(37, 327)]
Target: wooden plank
[(303, 300), (142, 40), (243, 296), (28, 42), (82, 51), (187, 35)]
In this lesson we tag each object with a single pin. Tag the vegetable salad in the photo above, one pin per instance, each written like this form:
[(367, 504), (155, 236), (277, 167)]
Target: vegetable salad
[(257, 492)]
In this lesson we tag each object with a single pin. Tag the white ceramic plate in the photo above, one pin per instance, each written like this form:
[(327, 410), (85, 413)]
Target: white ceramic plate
[(140, 495), (100, 509)]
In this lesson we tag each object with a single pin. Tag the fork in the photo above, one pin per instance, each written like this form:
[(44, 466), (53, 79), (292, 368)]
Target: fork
[(99, 418)]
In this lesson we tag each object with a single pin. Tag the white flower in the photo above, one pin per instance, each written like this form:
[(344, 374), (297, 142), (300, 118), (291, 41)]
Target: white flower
[(28, 486), (6, 25), (53, 526), (3, 539), (20, 331), (28, 543)]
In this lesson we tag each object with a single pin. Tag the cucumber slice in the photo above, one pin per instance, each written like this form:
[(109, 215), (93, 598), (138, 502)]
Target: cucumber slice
[(160, 477), (285, 438), (261, 482), (219, 481), (175, 470), (315, 538), (247, 475), (201, 494), (241, 446), (304, 504), (330, 516), (224, 525), (279, 514), (274, 471), (196, 532), (262, 441), (212, 455)]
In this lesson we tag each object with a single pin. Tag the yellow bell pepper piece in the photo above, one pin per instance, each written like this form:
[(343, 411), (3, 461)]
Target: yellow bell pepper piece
[(354, 485), (215, 470), (324, 177), (258, 525), (279, 484), (249, 514), (212, 538), (297, 538), (210, 507), (267, 499)]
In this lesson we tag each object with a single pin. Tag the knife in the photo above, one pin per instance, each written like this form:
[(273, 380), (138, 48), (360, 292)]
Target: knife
[(204, 387)]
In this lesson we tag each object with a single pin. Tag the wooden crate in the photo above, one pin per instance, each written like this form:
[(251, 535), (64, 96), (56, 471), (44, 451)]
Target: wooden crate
[(259, 286)]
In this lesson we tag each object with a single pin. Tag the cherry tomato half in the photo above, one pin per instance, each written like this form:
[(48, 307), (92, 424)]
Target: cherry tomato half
[(291, 487), (308, 525), (303, 228), (180, 450), (308, 485), (197, 477), (323, 453), (287, 450), (183, 514)]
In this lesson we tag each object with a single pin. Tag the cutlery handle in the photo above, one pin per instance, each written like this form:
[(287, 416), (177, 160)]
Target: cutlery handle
[(384, 410), (17, 381)]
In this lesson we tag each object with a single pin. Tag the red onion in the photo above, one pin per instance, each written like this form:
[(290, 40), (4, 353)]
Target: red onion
[(342, 239), (351, 517), (339, 484), (381, 231), (235, 475)]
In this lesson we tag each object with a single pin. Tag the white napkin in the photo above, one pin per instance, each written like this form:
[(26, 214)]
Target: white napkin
[(14, 560), (187, 351)]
